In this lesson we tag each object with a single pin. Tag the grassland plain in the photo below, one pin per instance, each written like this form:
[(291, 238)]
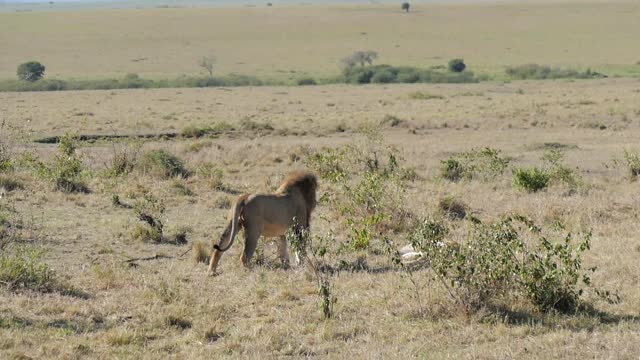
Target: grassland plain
[(286, 42), (169, 308)]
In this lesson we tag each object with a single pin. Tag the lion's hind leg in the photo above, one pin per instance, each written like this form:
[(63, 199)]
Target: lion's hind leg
[(252, 234), (283, 251)]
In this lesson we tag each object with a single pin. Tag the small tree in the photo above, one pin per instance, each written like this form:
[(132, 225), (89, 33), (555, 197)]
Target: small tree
[(405, 6), (30, 71), (456, 65), (361, 58), (207, 63)]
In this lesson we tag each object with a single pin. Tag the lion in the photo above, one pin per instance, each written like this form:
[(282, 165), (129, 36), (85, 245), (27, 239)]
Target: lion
[(269, 215)]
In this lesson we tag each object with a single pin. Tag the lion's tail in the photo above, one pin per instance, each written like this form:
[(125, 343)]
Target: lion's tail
[(235, 223)]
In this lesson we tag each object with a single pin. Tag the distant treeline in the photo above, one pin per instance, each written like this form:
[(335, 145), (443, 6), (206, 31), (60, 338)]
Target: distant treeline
[(355, 75)]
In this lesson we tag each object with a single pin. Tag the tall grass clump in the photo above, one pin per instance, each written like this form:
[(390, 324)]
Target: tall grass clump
[(484, 164)]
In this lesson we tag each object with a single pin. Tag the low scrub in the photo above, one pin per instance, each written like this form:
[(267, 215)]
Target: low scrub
[(541, 72), (163, 164), (508, 260), (484, 164)]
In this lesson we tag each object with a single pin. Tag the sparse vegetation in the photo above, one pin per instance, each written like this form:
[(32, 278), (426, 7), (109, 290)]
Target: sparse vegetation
[(484, 164), (66, 172), (633, 163), (22, 268), (312, 251), (370, 187), (212, 175)]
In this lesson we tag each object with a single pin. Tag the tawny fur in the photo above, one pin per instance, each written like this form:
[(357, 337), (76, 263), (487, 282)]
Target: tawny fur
[(269, 215)]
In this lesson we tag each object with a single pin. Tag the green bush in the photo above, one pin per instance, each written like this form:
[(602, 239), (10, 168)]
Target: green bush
[(541, 72), (532, 180), (456, 65), (162, 163), (30, 71), (554, 171), (507, 260)]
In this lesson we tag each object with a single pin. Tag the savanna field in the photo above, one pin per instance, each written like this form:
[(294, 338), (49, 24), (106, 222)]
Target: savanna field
[(486, 179)]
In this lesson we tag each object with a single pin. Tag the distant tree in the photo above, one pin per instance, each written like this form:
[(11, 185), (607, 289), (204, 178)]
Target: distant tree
[(405, 6), (456, 65), (207, 63), (30, 71)]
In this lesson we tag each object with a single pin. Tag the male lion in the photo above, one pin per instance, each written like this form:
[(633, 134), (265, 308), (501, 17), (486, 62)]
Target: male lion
[(270, 215)]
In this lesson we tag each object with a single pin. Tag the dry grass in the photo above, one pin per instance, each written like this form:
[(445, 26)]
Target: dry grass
[(169, 307), (249, 40)]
